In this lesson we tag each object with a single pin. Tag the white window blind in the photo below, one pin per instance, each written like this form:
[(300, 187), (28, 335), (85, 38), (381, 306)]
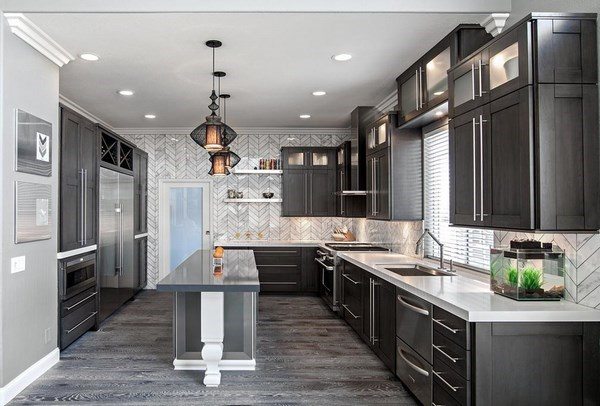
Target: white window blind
[(463, 245)]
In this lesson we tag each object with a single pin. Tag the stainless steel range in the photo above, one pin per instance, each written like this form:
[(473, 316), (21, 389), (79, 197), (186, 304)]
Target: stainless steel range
[(330, 272)]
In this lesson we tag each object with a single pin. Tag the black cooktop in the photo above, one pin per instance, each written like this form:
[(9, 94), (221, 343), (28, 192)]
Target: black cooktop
[(354, 247)]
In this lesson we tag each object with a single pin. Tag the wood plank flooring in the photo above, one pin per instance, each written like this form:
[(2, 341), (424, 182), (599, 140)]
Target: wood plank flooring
[(305, 356)]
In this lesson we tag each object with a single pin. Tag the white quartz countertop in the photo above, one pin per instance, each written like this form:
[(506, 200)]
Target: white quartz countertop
[(468, 294)]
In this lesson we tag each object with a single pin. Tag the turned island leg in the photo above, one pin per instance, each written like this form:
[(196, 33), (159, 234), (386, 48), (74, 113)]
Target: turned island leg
[(212, 325)]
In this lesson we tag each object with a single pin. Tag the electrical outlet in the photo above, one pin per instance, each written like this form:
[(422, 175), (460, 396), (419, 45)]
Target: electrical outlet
[(47, 336), (17, 264)]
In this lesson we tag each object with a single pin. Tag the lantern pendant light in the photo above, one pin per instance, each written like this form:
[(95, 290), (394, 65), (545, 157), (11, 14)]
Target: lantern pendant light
[(232, 158), (209, 135)]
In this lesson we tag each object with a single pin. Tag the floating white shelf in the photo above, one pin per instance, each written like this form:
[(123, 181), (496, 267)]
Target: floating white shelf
[(272, 200), (257, 171)]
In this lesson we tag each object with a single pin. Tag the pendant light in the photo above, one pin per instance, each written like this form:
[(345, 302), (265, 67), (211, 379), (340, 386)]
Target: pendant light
[(209, 135), (218, 161), (232, 158)]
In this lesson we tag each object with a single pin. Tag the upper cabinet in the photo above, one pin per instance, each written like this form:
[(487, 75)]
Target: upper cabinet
[(394, 173), (115, 152), (543, 48), (78, 181), (424, 85), (309, 181), (524, 152), (378, 135)]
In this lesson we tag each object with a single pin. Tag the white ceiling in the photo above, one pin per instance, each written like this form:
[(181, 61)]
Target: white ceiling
[(273, 63)]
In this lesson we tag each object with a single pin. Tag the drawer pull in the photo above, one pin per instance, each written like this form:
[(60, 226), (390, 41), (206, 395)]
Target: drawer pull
[(277, 266), (350, 311), (435, 404), (321, 253), (329, 268), (275, 252), (81, 322), (81, 301), (279, 283), (453, 359), (452, 330), (419, 370), (454, 388), (345, 275), (414, 308)]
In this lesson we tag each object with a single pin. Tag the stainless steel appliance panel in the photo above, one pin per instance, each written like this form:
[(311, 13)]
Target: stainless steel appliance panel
[(128, 278)]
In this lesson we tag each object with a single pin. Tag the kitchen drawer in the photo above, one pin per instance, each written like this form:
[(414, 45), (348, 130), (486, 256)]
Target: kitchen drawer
[(442, 398), (456, 357), (452, 327), (77, 322), (69, 306), (457, 386), (279, 278), (414, 372), (278, 251), (413, 322), (278, 256)]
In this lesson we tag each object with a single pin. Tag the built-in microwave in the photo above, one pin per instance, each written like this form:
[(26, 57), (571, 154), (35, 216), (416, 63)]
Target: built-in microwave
[(77, 275)]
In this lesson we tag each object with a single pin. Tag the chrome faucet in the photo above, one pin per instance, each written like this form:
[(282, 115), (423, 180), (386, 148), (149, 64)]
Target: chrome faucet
[(433, 237)]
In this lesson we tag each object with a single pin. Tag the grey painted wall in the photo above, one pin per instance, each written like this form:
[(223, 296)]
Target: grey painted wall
[(28, 81)]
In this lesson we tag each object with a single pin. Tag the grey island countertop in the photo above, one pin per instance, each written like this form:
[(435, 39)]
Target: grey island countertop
[(196, 274)]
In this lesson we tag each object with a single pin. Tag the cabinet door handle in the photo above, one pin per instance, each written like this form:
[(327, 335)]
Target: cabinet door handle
[(452, 330), (350, 311), (81, 205), (414, 308), (342, 188), (474, 172), (417, 368), (445, 354), (85, 207), (417, 89), (453, 388), (375, 187), (421, 86), (306, 192), (472, 81), (345, 275), (481, 121), (481, 91)]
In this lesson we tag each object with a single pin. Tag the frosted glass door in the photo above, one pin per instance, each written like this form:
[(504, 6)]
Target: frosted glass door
[(184, 222), (437, 78)]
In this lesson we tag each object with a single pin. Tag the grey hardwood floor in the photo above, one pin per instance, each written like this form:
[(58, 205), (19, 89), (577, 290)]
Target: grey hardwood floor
[(305, 356)]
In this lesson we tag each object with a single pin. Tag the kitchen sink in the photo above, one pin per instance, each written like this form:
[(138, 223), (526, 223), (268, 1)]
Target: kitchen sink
[(417, 270)]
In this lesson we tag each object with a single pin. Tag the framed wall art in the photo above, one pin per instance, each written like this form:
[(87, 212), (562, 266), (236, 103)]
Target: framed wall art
[(33, 211), (33, 144)]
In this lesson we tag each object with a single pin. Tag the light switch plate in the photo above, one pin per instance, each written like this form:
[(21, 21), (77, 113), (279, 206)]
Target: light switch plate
[(17, 264)]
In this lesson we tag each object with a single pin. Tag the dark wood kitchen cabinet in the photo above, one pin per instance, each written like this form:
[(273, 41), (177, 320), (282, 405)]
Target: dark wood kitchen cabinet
[(524, 155), (140, 260), (115, 152), (309, 191), (424, 85), (78, 182), (140, 191), (394, 174), (541, 48)]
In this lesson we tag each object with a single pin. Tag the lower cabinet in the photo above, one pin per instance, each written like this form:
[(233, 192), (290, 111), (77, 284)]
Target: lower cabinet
[(140, 260), (368, 307)]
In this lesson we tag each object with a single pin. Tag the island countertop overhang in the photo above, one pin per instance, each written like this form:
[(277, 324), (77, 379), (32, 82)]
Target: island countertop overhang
[(196, 274)]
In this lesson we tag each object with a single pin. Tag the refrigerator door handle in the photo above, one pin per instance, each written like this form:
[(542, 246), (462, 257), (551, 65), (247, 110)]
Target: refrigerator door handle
[(121, 241), (119, 257), (82, 207)]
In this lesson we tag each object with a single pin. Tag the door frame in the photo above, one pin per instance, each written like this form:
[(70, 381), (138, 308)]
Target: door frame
[(163, 226)]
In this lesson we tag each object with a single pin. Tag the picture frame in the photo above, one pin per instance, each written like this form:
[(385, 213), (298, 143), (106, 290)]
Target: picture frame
[(33, 144)]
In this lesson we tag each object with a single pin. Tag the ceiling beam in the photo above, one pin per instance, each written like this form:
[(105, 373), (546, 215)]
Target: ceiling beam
[(255, 6)]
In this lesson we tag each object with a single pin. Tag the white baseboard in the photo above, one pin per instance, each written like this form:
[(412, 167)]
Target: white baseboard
[(25, 378), (224, 365)]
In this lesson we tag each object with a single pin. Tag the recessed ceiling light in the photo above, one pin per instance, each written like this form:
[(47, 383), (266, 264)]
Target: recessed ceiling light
[(86, 56), (150, 116), (438, 93), (439, 113), (304, 115), (319, 93), (126, 92), (341, 57)]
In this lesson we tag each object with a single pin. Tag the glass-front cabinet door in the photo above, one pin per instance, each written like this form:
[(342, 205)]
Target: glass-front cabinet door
[(377, 134), (436, 77), (508, 65), (295, 158), (410, 92), (465, 90)]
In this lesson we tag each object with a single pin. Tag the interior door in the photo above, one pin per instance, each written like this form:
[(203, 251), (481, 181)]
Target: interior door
[(184, 221), (465, 170)]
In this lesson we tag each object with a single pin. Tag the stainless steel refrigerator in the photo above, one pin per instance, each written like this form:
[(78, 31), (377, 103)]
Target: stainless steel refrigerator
[(118, 281)]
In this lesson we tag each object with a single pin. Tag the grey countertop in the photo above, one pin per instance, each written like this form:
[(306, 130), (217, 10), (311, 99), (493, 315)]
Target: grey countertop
[(196, 274), (268, 243), (468, 295)]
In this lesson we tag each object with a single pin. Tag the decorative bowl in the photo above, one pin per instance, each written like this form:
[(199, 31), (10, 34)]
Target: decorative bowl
[(268, 195)]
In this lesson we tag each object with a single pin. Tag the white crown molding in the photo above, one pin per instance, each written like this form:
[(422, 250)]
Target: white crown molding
[(389, 102), (495, 22), (27, 377), (78, 109), (25, 29), (239, 130)]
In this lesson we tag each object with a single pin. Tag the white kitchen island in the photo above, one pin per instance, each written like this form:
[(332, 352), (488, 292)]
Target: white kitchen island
[(214, 314)]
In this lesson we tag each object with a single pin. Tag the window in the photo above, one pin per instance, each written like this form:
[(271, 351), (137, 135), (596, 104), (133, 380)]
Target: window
[(463, 245)]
